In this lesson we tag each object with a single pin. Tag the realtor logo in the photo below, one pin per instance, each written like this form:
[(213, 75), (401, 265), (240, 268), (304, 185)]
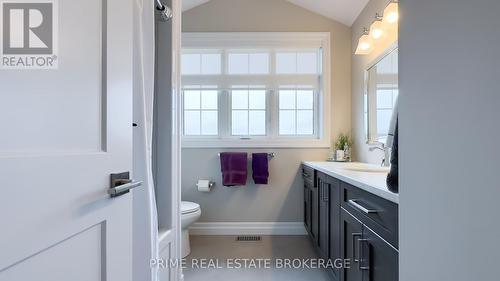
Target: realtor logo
[(29, 34)]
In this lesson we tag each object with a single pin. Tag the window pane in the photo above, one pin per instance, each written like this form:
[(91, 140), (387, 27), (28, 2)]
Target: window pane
[(395, 94), (307, 63), (239, 122), (305, 99), (383, 121), (287, 99), (287, 122), (259, 63), (191, 122), (238, 63), (305, 122), (211, 64), (257, 99), (209, 123), (286, 63), (190, 64), (257, 122), (239, 99), (384, 99), (191, 99), (209, 99)]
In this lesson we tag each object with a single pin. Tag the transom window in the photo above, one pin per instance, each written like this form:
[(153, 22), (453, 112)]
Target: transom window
[(248, 63), (265, 89), (302, 62), (202, 62)]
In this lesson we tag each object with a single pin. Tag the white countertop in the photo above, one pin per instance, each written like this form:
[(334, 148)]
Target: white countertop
[(352, 173)]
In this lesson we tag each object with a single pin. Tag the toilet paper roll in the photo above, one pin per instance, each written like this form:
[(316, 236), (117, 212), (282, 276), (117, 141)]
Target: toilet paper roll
[(204, 185)]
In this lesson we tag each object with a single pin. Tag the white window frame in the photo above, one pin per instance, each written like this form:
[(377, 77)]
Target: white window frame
[(278, 41)]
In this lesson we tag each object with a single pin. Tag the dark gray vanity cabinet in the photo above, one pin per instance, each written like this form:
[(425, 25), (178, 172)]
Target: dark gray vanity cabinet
[(372, 258), (311, 202), (324, 214), (334, 235), (346, 222), (307, 207), (351, 230), (372, 246), (378, 258), (328, 240)]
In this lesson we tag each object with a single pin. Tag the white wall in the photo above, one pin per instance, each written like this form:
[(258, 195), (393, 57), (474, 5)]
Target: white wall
[(359, 65), (449, 140), (281, 200)]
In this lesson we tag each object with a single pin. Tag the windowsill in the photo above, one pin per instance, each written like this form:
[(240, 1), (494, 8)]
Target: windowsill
[(218, 143)]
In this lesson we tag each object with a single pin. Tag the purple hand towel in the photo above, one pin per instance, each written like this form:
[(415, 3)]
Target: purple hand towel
[(260, 168), (234, 168)]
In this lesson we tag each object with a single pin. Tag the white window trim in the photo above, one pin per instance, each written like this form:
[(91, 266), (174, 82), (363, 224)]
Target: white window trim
[(241, 40)]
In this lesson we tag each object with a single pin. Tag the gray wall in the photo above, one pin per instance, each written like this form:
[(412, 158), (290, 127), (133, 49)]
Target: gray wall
[(281, 200), (449, 132), (359, 66)]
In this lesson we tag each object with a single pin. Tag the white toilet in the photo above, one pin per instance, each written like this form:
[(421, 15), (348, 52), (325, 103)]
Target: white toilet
[(190, 212)]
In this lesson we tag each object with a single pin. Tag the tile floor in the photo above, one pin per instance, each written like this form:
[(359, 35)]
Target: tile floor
[(220, 253)]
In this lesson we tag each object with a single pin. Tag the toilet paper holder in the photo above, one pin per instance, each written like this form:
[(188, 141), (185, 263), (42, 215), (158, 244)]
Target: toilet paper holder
[(205, 185)]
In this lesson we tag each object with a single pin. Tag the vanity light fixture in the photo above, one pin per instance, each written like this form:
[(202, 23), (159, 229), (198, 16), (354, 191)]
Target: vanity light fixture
[(377, 28), (383, 26), (365, 43)]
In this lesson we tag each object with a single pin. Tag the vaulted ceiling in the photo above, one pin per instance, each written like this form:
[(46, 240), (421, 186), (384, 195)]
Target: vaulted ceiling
[(344, 11)]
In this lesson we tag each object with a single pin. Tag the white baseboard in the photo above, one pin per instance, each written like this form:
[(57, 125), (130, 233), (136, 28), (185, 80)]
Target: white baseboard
[(248, 228)]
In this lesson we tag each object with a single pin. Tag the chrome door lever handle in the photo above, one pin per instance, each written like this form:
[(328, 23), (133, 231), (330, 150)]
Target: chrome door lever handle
[(123, 186)]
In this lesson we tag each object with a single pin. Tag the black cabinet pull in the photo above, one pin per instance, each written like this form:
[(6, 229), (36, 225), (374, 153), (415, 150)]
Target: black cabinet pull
[(354, 235), (320, 185), (361, 255), (322, 192)]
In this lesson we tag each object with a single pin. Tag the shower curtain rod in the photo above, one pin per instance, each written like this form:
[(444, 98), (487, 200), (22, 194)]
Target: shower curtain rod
[(159, 5)]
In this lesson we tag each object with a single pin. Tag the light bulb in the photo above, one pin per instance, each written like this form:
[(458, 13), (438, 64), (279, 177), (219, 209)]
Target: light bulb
[(391, 13), (365, 45), (392, 17), (377, 30)]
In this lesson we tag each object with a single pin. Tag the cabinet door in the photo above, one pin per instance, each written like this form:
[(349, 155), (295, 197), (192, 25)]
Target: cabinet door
[(307, 207), (314, 213), (379, 260), (351, 231), (324, 216), (334, 243)]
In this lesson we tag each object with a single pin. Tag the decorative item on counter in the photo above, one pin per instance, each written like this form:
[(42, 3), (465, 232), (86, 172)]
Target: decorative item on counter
[(342, 151), (347, 152)]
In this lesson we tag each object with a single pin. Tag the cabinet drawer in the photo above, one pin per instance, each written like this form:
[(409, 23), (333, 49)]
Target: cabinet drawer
[(308, 175), (377, 213)]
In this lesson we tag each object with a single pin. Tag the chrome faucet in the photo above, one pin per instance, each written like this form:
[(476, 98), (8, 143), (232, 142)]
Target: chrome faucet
[(386, 160)]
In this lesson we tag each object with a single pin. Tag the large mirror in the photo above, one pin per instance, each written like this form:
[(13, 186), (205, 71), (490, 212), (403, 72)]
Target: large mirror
[(381, 92)]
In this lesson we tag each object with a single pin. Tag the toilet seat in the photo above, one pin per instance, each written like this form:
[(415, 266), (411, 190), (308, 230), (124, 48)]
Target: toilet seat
[(189, 207)]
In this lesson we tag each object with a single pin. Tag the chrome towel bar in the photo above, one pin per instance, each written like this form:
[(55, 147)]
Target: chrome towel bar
[(270, 155)]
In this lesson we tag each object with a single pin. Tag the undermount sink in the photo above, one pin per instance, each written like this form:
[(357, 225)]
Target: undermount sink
[(367, 168)]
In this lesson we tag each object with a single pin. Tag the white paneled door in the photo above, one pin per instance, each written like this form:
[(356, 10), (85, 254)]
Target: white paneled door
[(65, 126)]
